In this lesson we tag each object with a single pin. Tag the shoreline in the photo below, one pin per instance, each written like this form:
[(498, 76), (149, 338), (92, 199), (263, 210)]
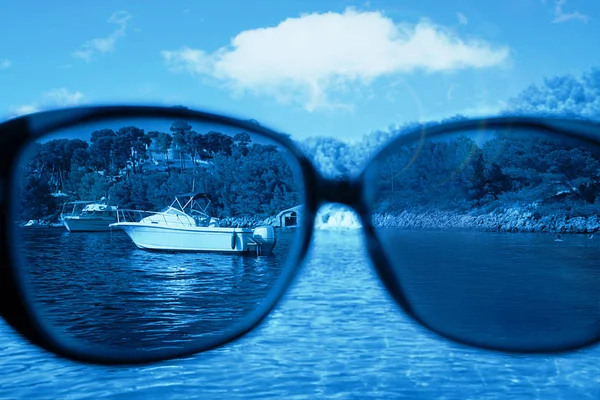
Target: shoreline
[(507, 220)]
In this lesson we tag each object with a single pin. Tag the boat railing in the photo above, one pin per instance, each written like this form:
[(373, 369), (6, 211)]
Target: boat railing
[(155, 217)]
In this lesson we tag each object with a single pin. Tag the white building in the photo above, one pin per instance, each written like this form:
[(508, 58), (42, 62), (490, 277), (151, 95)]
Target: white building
[(290, 218)]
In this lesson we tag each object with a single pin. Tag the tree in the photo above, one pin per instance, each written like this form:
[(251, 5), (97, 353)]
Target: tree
[(162, 141), (92, 186), (101, 149), (131, 145), (75, 150), (565, 95), (258, 183), (36, 197), (181, 131), (241, 142), (218, 143)]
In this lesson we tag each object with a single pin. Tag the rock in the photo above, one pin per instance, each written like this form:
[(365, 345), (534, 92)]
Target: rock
[(506, 220)]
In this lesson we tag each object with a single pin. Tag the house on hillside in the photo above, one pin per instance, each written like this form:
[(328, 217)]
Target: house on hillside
[(160, 156)]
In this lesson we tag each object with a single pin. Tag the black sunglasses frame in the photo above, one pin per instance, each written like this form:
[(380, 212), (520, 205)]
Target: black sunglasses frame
[(354, 192)]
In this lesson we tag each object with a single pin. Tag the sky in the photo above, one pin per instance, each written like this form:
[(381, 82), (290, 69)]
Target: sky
[(305, 67)]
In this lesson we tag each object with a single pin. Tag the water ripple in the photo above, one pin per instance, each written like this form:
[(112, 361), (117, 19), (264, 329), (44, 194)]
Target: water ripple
[(336, 335)]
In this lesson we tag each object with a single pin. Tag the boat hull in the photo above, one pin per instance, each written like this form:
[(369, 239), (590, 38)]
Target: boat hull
[(79, 224), (194, 239)]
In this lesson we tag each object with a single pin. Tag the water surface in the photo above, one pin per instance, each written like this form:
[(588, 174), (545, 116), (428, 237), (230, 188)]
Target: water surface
[(336, 334)]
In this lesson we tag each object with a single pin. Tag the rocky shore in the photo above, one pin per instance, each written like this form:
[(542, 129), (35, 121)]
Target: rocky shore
[(506, 220), (233, 222), (247, 222)]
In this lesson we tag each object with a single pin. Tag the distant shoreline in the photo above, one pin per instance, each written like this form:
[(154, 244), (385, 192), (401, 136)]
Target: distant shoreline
[(507, 220)]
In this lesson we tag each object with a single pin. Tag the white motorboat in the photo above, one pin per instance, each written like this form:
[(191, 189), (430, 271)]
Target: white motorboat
[(88, 216), (188, 227)]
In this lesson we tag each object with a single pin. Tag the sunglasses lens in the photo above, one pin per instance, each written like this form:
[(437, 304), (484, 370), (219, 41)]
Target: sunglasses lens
[(490, 235), (150, 235)]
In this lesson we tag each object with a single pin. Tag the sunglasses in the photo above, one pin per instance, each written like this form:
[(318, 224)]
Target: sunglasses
[(136, 234)]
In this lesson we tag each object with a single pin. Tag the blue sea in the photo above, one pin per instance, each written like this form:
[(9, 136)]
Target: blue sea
[(336, 335)]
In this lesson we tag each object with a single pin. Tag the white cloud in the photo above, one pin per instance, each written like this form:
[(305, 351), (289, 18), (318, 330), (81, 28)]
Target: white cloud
[(462, 18), (105, 44), (24, 109), (5, 63), (309, 59), (561, 16), (485, 110), (60, 97)]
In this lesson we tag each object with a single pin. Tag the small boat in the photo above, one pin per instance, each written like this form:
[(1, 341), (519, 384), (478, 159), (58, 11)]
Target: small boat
[(40, 224), (88, 216), (185, 226)]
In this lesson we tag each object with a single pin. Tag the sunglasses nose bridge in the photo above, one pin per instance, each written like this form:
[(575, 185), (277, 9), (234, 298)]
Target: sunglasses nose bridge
[(342, 191)]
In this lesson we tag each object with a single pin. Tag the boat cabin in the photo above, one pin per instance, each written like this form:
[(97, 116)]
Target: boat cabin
[(83, 208), (99, 210)]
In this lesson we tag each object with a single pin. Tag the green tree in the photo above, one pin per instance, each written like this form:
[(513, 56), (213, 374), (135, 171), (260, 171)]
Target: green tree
[(101, 150), (93, 186), (181, 132), (131, 146), (162, 141), (36, 197)]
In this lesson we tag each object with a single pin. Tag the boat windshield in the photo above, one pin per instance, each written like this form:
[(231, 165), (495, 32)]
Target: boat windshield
[(173, 211), (188, 208)]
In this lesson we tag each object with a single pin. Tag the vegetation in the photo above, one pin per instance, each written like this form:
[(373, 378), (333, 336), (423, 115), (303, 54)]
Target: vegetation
[(542, 174), (243, 178)]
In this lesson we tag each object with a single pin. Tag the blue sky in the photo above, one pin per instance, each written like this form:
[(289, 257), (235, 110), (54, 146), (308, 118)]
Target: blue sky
[(306, 67)]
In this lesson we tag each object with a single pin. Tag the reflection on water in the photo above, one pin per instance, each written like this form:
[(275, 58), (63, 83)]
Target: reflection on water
[(99, 287), (335, 335)]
